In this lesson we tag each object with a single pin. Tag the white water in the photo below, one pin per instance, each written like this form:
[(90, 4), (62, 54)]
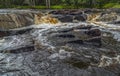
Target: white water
[(38, 34), (109, 28), (15, 41), (12, 42), (108, 61)]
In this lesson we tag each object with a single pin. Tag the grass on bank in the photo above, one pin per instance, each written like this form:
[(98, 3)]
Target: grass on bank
[(112, 5), (44, 7), (39, 7), (108, 5)]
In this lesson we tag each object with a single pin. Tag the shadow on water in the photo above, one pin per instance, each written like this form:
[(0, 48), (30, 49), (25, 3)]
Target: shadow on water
[(77, 63)]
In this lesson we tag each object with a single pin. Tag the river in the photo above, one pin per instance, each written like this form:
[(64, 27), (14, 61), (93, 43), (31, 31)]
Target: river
[(46, 50)]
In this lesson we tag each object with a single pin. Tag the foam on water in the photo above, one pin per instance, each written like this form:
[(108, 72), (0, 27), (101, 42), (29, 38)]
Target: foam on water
[(108, 61), (44, 27), (62, 54), (38, 34), (12, 42), (109, 28)]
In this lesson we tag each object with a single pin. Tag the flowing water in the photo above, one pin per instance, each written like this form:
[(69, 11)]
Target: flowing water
[(43, 55)]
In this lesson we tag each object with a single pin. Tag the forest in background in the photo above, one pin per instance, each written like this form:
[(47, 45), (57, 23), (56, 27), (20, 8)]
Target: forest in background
[(59, 4)]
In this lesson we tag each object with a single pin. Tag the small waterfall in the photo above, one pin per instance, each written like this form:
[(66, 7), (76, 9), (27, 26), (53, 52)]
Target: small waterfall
[(15, 20), (102, 20)]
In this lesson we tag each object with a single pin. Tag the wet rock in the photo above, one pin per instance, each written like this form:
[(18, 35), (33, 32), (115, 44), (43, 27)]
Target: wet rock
[(67, 12), (77, 63), (107, 17), (95, 41), (82, 34), (76, 42), (80, 17), (65, 30), (100, 72), (88, 11), (114, 22), (66, 18), (93, 32), (66, 36), (19, 50), (63, 12), (76, 12), (84, 27)]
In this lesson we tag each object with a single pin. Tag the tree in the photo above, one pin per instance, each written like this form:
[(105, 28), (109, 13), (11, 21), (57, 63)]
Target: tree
[(48, 4)]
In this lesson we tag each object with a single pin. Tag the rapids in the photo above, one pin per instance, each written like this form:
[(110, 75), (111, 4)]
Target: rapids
[(42, 51)]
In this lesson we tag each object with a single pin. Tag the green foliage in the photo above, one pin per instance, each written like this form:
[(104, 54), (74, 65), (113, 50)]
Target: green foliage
[(111, 5), (108, 5), (30, 7), (60, 4), (116, 6)]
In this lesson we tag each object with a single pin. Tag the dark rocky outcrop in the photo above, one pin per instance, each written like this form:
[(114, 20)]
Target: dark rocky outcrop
[(66, 18), (69, 15), (80, 17), (93, 32), (67, 12), (20, 50)]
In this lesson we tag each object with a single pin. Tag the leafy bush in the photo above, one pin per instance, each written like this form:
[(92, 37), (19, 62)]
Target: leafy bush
[(108, 5)]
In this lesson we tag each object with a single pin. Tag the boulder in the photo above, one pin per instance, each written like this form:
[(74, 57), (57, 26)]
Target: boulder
[(80, 17), (76, 12), (66, 18), (93, 32)]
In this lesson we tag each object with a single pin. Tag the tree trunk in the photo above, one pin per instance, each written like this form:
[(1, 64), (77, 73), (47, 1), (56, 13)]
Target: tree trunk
[(48, 4)]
